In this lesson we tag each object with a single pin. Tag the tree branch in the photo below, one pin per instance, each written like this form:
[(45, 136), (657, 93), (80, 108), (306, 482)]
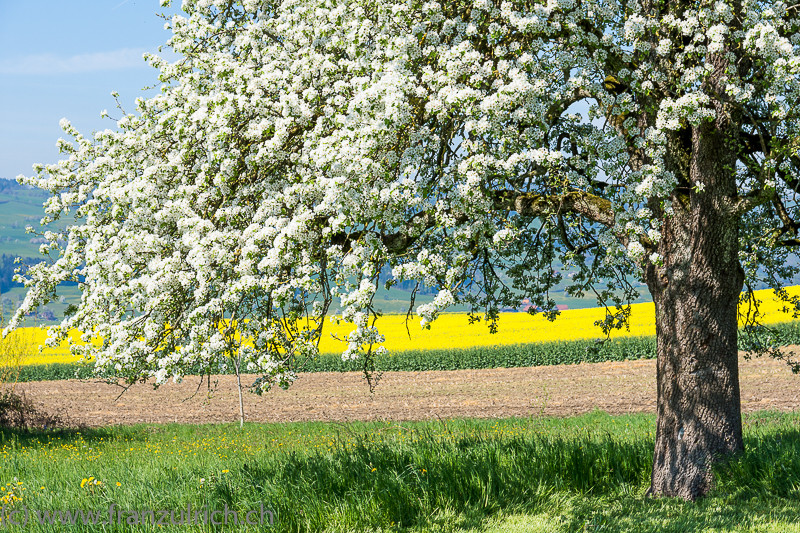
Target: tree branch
[(396, 242), (593, 207), (752, 200)]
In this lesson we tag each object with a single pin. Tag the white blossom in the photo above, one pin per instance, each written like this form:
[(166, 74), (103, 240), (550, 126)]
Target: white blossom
[(302, 149)]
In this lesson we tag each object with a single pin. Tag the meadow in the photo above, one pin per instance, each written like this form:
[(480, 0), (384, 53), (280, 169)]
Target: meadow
[(586, 473)]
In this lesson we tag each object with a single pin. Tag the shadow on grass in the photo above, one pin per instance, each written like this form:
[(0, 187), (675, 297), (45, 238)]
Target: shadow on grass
[(594, 482), (35, 435), (759, 490), (462, 476), (668, 515)]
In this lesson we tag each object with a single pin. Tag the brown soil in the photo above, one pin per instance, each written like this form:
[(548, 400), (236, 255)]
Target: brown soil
[(617, 387)]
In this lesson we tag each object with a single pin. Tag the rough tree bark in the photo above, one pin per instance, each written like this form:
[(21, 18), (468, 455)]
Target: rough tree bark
[(696, 294), (699, 420)]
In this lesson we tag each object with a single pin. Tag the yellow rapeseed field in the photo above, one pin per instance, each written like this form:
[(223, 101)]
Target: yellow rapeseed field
[(452, 330)]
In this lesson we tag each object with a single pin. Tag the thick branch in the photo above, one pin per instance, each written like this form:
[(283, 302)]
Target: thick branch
[(401, 240), (593, 207), (396, 242), (789, 224), (754, 199)]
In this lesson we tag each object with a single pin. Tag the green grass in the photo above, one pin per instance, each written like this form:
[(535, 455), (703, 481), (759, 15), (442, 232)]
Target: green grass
[(586, 473)]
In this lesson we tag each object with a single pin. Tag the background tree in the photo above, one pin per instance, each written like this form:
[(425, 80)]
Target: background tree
[(297, 148)]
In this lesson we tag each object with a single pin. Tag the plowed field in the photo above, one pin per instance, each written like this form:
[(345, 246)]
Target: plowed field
[(615, 387)]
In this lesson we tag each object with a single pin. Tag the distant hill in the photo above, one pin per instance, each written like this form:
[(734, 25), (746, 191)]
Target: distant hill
[(20, 207)]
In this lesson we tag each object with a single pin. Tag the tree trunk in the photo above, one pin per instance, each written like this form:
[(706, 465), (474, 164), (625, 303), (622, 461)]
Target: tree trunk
[(699, 419), (696, 293)]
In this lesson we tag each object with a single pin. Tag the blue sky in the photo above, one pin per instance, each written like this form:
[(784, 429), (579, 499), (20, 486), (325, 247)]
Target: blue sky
[(63, 59)]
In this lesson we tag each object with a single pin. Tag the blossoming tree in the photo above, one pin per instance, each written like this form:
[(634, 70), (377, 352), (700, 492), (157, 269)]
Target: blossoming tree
[(297, 148)]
